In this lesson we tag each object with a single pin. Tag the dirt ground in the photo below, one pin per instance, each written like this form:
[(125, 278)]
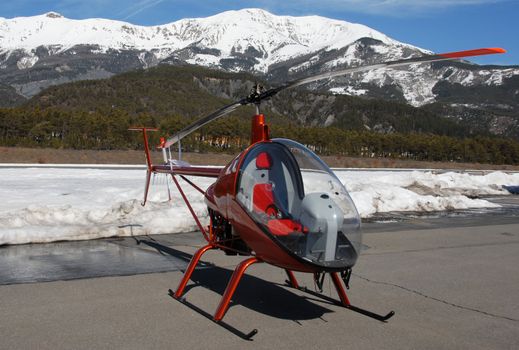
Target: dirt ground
[(68, 156)]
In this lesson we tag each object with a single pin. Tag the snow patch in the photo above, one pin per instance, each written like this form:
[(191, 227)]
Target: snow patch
[(311, 61), (348, 90), (468, 80), (380, 49), (26, 62), (204, 60), (375, 192), (348, 58), (416, 84), (49, 204), (329, 120)]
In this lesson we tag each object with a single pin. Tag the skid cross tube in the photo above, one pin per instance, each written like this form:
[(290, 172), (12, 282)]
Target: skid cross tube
[(340, 289), (292, 281), (177, 295), (226, 298), (190, 268), (231, 286)]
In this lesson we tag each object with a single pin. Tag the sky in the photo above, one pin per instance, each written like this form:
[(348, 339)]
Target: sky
[(437, 25)]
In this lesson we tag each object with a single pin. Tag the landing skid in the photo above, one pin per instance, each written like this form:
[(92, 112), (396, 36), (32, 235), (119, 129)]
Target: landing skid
[(368, 313), (381, 318), (245, 336), (226, 297), (344, 300), (235, 280)]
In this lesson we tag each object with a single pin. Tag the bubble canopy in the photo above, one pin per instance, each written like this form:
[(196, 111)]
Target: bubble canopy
[(297, 200)]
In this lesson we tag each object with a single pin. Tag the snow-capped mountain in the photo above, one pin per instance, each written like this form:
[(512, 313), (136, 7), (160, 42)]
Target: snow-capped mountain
[(39, 51), (252, 32)]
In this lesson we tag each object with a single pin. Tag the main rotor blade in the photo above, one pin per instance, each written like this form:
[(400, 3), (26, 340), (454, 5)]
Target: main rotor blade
[(257, 98), (203, 121), (389, 64)]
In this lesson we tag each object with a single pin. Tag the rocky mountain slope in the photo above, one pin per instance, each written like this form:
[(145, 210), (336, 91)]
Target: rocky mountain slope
[(191, 92), (96, 114)]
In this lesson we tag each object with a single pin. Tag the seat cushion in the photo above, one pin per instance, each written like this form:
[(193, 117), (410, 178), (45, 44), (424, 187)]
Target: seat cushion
[(262, 198), (283, 227)]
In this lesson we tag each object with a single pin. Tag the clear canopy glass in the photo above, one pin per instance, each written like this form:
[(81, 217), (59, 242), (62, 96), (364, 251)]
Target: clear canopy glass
[(295, 197)]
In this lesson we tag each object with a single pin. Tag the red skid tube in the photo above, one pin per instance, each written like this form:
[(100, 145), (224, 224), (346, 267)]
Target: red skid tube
[(340, 289), (231, 286), (190, 268), (292, 279)]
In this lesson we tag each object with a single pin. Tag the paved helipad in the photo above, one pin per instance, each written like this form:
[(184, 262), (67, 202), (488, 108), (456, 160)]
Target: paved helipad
[(451, 286)]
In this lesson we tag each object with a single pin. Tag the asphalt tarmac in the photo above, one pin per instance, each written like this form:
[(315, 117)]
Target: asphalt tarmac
[(452, 281)]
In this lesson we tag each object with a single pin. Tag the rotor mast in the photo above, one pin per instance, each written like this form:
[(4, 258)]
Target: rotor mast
[(259, 130)]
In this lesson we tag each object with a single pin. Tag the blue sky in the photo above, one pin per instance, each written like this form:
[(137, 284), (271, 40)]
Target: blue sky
[(438, 25)]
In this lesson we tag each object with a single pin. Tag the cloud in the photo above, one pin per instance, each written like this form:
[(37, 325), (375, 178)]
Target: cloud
[(378, 7), (138, 8), (114, 9)]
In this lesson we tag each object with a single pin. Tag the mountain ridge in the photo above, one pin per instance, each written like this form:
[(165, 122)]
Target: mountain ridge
[(41, 51), (279, 36)]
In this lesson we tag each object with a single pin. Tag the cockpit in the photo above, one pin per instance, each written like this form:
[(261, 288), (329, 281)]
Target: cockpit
[(297, 200)]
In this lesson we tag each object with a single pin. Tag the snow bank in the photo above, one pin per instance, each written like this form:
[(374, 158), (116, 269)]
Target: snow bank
[(388, 191), (45, 204)]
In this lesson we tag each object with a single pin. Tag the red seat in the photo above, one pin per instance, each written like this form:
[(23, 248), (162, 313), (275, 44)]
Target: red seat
[(263, 198), (283, 227), (263, 202)]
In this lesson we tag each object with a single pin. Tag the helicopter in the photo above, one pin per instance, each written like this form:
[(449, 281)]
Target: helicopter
[(276, 202)]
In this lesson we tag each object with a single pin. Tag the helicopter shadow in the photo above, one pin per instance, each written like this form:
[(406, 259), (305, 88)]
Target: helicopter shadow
[(254, 293)]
